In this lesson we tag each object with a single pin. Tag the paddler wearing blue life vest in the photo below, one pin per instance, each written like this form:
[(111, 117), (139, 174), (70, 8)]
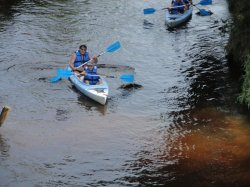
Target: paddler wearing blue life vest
[(178, 6), (90, 74), (80, 57)]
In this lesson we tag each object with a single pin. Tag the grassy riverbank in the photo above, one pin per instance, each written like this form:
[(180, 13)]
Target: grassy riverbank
[(239, 46)]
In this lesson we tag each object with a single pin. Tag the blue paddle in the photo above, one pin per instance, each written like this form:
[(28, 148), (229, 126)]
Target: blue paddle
[(128, 78), (149, 10), (152, 10), (61, 73), (55, 78), (203, 12), (64, 73), (205, 2)]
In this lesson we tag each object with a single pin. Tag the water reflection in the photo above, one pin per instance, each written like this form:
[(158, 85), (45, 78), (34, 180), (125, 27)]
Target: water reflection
[(4, 147), (205, 147), (197, 137), (7, 9), (210, 83), (92, 105), (211, 147), (89, 104), (61, 114), (205, 142), (147, 24)]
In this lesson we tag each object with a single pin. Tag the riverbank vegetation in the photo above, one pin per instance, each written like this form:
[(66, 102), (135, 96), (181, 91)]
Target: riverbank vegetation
[(239, 46), (245, 94)]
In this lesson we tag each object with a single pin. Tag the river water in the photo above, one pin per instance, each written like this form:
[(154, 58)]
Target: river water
[(183, 127)]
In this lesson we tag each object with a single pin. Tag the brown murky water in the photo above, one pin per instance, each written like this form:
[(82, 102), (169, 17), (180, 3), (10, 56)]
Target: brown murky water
[(214, 148), (182, 125)]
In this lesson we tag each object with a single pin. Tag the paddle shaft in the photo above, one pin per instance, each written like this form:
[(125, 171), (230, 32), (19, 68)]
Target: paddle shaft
[(182, 6), (67, 73), (196, 6), (203, 12), (152, 10), (98, 74), (113, 47), (90, 60), (173, 7), (127, 77)]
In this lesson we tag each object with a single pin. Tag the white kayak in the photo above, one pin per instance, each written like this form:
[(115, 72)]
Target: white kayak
[(173, 20), (98, 92)]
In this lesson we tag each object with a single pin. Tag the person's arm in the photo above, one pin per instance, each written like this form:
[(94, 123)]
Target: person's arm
[(71, 63), (93, 59), (83, 73)]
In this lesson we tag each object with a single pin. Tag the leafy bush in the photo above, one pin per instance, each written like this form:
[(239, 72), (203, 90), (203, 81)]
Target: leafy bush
[(244, 98)]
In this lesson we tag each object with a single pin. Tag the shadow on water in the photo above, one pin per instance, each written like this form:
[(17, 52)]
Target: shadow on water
[(92, 105), (89, 104), (124, 92), (131, 86), (7, 11), (147, 24), (6, 8)]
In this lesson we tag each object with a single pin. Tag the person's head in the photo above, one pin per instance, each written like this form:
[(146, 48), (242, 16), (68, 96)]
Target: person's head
[(90, 65), (83, 49)]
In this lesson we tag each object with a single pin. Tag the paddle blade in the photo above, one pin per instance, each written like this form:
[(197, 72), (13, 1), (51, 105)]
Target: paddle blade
[(205, 2), (113, 47), (61, 73), (127, 78), (204, 12), (64, 73), (54, 79), (149, 11)]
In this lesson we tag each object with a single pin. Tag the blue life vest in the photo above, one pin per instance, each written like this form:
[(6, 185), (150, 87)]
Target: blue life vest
[(92, 79), (79, 60)]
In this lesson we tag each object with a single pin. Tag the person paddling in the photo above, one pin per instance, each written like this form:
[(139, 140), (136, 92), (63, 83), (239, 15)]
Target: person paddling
[(80, 57), (178, 6)]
